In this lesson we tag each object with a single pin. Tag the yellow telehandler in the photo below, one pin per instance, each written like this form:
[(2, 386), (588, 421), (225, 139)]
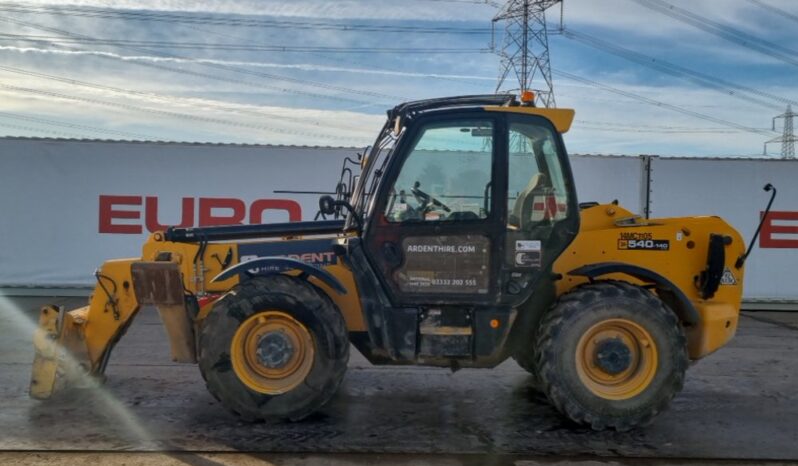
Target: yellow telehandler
[(459, 245)]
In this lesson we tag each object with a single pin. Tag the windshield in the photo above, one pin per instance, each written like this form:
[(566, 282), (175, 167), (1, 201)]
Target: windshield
[(446, 175)]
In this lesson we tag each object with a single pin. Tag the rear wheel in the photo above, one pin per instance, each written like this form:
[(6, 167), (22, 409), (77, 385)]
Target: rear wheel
[(611, 354), (525, 358), (273, 347)]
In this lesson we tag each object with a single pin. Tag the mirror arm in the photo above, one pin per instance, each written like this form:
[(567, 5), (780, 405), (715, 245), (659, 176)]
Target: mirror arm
[(355, 215), (741, 259)]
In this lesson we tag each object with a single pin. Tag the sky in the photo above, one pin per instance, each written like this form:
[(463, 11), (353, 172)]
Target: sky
[(707, 82)]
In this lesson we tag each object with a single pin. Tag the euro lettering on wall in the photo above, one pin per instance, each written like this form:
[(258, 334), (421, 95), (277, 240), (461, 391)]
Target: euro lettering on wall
[(779, 231), (137, 214)]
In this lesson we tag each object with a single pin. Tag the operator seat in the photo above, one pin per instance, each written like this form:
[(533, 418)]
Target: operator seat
[(523, 204)]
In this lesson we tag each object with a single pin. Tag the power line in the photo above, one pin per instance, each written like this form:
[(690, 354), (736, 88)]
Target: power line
[(137, 93), (660, 104), (669, 129), (144, 94), (721, 85), (237, 47), (664, 129), (433, 76), (476, 2), (365, 68), (656, 131), (216, 66), (369, 67), (181, 101), (174, 114), (773, 9), (42, 130), (94, 129), (640, 128), (725, 32), (194, 18), (167, 113), (658, 127)]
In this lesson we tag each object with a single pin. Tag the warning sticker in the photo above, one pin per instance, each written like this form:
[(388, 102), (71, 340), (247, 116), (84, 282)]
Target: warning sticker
[(528, 245), (728, 277), (642, 242), (444, 264), (527, 253)]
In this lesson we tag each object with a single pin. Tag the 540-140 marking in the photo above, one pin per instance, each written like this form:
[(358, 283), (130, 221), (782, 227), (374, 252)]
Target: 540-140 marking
[(644, 244)]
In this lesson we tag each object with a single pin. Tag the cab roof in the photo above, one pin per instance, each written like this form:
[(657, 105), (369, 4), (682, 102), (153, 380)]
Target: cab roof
[(415, 106), (560, 118)]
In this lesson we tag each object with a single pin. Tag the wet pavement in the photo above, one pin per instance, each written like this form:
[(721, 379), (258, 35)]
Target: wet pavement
[(740, 403)]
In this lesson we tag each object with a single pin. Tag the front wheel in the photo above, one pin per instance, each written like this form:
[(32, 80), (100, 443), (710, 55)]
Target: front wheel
[(611, 354), (273, 347)]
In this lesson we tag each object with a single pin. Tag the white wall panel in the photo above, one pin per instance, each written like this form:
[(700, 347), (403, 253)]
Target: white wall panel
[(50, 196), (604, 178), (732, 189)]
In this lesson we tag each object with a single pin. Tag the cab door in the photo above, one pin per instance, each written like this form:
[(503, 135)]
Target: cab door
[(436, 225), (542, 211), (474, 209)]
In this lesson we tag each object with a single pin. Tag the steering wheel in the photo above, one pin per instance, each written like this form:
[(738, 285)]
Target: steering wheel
[(425, 199)]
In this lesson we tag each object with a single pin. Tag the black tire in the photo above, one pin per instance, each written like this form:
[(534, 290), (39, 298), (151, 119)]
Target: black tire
[(525, 357), (304, 303), (579, 311)]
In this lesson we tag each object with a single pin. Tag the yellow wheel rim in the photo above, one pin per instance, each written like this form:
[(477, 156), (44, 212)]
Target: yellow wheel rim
[(616, 359), (272, 352)]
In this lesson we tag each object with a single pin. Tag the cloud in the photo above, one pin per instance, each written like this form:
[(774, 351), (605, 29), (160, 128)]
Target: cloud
[(254, 64), (167, 115), (606, 123), (299, 115), (339, 9)]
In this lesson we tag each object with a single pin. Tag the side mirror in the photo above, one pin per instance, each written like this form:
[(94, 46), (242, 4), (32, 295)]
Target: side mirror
[(327, 205)]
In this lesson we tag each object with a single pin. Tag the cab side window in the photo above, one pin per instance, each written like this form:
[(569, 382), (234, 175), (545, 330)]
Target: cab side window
[(536, 188), (446, 176)]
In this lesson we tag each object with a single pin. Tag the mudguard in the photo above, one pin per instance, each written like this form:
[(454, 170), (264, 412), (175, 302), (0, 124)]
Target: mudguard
[(687, 311), (274, 265)]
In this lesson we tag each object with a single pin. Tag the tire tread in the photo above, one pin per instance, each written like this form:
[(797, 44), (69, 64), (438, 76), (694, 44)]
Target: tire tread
[(552, 326), (291, 289)]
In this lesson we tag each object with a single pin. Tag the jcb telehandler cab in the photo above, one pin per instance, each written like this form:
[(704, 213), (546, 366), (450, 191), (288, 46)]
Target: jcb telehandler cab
[(461, 247)]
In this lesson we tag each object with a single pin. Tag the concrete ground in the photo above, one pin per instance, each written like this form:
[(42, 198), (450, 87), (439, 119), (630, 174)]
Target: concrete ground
[(738, 404), (266, 459)]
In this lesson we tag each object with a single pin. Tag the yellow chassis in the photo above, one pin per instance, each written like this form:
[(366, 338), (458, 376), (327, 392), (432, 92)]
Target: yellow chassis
[(82, 339)]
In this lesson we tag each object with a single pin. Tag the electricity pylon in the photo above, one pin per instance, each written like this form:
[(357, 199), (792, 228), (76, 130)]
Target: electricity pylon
[(525, 49), (788, 138)]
